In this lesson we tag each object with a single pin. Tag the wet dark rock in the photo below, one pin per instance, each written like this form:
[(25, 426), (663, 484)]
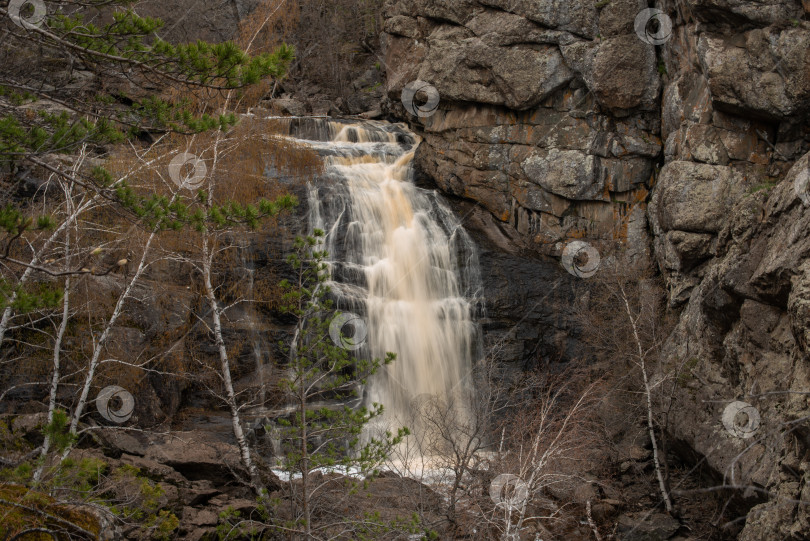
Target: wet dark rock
[(527, 298), (647, 526), (289, 106)]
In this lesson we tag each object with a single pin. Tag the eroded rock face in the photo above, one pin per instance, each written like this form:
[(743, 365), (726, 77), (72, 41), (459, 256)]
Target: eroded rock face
[(547, 115), (744, 329), (731, 228), (763, 71), (761, 12), (560, 122), (527, 319)]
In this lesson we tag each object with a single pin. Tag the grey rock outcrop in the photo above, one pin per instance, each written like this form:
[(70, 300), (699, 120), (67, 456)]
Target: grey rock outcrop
[(743, 330), (545, 121), (562, 123)]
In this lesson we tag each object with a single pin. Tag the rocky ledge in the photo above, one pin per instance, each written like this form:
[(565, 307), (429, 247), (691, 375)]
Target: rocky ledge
[(681, 134)]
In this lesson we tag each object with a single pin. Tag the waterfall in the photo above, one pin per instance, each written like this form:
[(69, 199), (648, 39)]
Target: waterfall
[(258, 343), (399, 259)]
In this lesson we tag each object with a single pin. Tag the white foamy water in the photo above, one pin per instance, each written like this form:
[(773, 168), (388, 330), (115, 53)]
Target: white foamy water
[(400, 259)]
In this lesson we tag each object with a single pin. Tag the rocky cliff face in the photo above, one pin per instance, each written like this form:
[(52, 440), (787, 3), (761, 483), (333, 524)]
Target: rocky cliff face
[(684, 136), (549, 114)]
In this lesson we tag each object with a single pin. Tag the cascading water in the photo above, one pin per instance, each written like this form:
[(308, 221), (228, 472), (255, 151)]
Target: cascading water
[(400, 260)]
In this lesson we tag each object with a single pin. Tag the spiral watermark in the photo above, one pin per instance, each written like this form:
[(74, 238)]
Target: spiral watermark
[(356, 327), (802, 186), (741, 419), (653, 26), (508, 491), (186, 179), (423, 91), (115, 404), (581, 259), (27, 14)]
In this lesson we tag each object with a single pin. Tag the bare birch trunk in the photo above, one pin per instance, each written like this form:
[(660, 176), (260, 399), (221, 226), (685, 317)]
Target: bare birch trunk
[(57, 348), (305, 466), (94, 361), (225, 367), (26, 275), (648, 395)]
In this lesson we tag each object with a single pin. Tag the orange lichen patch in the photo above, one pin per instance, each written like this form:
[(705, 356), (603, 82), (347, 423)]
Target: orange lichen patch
[(599, 219), (652, 180), (623, 210), (467, 117), (621, 222), (519, 192), (24, 509), (756, 157)]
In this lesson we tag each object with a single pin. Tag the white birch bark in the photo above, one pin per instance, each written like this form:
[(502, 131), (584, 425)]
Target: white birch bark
[(95, 359), (648, 395), (57, 348), (225, 369), (8, 313)]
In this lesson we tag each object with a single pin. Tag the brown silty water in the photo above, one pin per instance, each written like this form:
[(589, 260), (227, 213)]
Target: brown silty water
[(401, 261)]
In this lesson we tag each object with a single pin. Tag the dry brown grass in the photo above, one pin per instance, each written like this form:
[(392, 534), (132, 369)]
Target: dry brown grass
[(268, 26), (244, 155)]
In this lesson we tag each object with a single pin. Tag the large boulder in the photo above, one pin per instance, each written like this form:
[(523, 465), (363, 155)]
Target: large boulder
[(765, 72)]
